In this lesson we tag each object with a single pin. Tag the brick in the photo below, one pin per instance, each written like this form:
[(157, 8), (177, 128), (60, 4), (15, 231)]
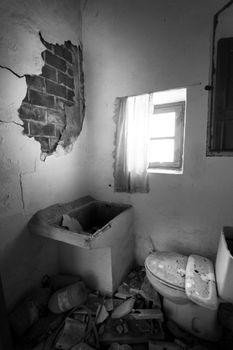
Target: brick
[(60, 103), (54, 61), (44, 141), (28, 111), (63, 52), (70, 95), (70, 71), (57, 117), (35, 82), (40, 99), (65, 79), (37, 129), (49, 72), (55, 89)]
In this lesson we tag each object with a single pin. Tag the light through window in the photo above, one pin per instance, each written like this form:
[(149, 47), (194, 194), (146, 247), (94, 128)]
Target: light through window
[(166, 130)]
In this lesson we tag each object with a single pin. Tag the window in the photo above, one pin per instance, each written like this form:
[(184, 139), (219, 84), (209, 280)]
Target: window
[(149, 138), (166, 131)]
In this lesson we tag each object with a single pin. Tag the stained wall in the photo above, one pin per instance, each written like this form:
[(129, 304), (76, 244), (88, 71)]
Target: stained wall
[(134, 47)]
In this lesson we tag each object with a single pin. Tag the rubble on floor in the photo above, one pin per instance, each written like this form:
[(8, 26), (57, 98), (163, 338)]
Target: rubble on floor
[(65, 314)]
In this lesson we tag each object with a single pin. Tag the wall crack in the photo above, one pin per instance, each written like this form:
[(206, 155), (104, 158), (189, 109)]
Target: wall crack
[(21, 190), (13, 72), (11, 122)]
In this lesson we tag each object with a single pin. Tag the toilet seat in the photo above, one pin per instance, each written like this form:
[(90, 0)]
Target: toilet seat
[(166, 273)]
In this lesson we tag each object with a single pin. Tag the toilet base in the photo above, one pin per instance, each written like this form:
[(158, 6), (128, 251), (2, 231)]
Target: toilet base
[(198, 320)]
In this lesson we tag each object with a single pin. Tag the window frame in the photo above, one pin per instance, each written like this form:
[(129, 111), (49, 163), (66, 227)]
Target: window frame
[(179, 109)]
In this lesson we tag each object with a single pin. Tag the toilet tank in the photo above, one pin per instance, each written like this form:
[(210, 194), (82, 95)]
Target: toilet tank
[(224, 265)]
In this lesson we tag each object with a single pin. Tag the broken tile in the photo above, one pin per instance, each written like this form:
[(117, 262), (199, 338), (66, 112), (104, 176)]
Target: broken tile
[(101, 314), (124, 308)]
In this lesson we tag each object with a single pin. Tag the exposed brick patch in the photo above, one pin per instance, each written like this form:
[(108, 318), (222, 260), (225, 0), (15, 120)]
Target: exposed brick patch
[(70, 72), (38, 129), (28, 111), (39, 99), (54, 60), (55, 89), (70, 95), (58, 90), (53, 142), (35, 82), (59, 130), (49, 72), (45, 145), (66, 80), (63, 52), (56, 117)]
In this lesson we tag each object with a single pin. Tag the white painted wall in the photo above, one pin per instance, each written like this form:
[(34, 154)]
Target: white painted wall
[(135, 46), (27, 184)]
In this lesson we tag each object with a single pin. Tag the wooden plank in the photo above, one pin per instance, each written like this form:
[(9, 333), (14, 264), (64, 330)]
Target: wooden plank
[(147, 314)]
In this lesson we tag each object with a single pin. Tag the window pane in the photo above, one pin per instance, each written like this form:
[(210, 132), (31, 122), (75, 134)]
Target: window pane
[(162, 124), (161, 151)]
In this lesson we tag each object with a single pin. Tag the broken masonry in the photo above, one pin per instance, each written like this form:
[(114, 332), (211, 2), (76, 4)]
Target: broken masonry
[(53, 108)]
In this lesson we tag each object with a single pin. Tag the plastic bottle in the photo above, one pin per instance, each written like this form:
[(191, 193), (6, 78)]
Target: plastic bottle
[(66, 298)]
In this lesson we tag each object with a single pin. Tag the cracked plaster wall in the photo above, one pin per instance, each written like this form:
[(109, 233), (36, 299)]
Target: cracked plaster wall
[(27, 184)]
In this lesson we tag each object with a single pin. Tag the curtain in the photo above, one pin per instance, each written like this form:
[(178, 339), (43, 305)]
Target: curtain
[(132, 127)]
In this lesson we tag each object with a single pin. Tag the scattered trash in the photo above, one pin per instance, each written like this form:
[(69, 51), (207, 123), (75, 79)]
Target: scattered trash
[(68, 297), (71, 224), (66, 315), (132, 284)]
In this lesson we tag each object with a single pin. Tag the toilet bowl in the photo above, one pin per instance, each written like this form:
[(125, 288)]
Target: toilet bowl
[(166, 273)]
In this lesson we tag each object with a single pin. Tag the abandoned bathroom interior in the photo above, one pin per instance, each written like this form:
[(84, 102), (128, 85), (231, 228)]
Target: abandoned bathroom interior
[(64, 68)]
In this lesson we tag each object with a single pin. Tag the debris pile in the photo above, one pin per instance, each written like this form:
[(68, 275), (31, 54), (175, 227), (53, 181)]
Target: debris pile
[(65, 314)]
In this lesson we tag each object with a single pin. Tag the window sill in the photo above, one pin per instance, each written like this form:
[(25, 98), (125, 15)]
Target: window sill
[(165, 171)]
